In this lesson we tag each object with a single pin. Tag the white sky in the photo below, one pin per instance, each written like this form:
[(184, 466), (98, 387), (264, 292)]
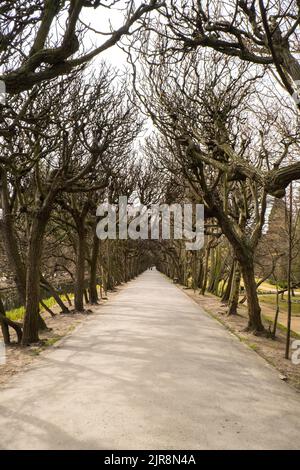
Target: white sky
[(103, 19), (100, 19)]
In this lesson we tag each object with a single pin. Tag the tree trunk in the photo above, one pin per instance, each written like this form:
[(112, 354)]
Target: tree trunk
[(10, 240), (212, 270), (216, 273), (205, 274), (276, 314), (289, 273), (235, 290), (80, 269), (226, 294), (4, 325), (32, 319), (54, 294), (254, 311), (200, 273), (15, 325), (86, 296), (41, 322), (47, 309), (103, 284), (194, 270), (93, 271), (68, 299), (109, 278)]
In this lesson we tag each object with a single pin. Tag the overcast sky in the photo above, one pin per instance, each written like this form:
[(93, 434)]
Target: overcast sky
[(100, 20)]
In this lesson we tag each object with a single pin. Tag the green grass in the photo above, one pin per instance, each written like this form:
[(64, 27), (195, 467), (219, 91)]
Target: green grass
[(51, 302), (270, 299), (52, 341), (17, 314), (281, 327), (35, 352)]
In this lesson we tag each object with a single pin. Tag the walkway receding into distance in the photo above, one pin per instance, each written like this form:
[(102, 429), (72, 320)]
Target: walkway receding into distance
[(150, 371)]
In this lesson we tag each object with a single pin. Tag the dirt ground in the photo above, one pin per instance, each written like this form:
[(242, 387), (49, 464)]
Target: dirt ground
[(272, 351), (19, 359)]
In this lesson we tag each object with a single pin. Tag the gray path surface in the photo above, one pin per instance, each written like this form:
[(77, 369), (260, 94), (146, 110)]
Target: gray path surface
[(152, 371)]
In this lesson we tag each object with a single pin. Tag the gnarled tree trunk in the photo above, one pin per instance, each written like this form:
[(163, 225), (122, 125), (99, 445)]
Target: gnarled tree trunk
[(80, 267), (10, 241), (254, 310), (32, 319)]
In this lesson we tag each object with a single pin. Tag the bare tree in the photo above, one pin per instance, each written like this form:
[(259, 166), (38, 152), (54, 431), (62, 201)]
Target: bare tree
[(203, 112), (35, 47), (256, 31)]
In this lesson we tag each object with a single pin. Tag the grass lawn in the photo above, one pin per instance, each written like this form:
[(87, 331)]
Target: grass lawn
[(269, 287), (270, 299), (17, 314)]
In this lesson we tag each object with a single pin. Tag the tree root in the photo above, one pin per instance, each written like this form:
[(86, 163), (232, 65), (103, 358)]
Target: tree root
[(257, 332)]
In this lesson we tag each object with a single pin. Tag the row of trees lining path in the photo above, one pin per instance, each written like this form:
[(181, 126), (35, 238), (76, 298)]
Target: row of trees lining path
[(216, 79)]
